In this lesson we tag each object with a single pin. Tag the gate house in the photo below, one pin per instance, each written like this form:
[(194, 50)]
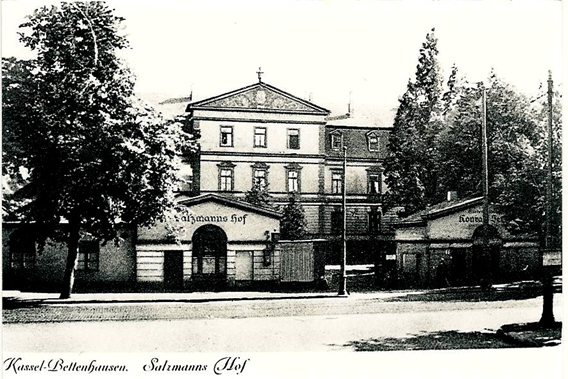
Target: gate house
[(441, 246), (221, 242), (215, 243)]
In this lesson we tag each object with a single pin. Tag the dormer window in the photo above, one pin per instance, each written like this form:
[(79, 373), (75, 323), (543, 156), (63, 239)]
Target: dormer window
[(336, 140), (373, 141)]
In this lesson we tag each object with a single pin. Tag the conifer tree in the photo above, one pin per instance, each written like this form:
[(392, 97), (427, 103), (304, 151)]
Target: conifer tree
[(259, 195), (410, 168), (293, 222)]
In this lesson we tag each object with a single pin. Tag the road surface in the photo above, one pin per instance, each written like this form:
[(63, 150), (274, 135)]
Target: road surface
[(356, 323)]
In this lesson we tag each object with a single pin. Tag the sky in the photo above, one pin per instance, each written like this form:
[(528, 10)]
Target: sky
[(331, 50)]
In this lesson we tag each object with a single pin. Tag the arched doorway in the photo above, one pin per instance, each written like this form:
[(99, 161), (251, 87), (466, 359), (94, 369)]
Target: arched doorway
[(486, 252), (209, 253)]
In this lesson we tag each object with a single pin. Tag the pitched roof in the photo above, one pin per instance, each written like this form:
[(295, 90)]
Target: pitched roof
[(259, 97), (363, 116), (231, 203), (438, 210)]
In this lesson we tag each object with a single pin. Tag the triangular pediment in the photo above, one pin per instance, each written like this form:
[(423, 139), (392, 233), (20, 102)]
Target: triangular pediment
[(259, 97), (229, 203)]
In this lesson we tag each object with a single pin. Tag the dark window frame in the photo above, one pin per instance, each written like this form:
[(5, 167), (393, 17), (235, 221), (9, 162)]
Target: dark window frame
[(373, 135), (370, 175), (336, 137), (231, 133), (296, 168), (22, 254), (88, 255), (231, 176), (374, 221), (336, 183), (336, 221), (265, 135), (289, 134), (255, 177)]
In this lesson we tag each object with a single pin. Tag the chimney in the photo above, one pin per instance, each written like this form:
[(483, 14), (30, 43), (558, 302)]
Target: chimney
[(452, 195), (349, 107), (311, 97)]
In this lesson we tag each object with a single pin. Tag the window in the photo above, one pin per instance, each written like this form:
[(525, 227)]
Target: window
[(88, 255), (259, 177), (374, 221), (336, 221), (259, 137), (226, 136), (22, 253), (226, 179), (293, 138), (336, 182), (373, 141), (374, 186), (293, 184), (336, 140)]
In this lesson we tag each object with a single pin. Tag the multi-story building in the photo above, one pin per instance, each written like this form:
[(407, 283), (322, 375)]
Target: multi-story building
[(262, 133)]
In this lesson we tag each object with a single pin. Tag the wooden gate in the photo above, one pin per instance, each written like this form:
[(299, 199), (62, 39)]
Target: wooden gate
[(297, 263)]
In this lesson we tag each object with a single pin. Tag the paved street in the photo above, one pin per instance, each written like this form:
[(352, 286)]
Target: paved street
[(357, 323)]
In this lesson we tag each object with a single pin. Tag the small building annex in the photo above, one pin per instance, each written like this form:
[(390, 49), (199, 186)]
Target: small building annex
[(442, 246), (215, 243)]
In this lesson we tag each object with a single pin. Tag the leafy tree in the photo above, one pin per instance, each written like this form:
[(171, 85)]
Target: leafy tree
[(522, 190), (79, 145), (410, 171), (517, 145), (259, 195), (293, 222)]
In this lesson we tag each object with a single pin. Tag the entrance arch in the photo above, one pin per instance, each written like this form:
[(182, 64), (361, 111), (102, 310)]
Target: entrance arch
[(209, 257)]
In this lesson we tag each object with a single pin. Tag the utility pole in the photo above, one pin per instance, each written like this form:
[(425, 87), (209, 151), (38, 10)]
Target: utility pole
[(486, 255), (547, 318), (343, 280), (548, 239)]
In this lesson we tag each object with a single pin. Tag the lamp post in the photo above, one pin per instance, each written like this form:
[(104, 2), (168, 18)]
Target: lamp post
[(343, 279)]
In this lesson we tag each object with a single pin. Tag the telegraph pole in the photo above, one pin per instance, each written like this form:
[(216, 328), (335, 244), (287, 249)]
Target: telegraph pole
[(547, 318), (548, 239), (484, 165), (343, 280), (486, 255)]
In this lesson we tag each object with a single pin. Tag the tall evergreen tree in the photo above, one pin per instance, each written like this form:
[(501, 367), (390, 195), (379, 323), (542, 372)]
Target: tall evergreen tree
[(293, 222), (76, 140), (410, 170)]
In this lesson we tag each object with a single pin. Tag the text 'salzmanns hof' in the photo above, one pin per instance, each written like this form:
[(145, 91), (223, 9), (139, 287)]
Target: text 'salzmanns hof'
[(230, 365), (16, 365)]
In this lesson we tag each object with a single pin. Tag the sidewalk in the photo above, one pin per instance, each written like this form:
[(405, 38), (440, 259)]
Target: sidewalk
[(21, 298), (465, 293)]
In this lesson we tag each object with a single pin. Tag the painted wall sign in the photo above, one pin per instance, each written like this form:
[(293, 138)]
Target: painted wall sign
[(193, 218), (478, 218)]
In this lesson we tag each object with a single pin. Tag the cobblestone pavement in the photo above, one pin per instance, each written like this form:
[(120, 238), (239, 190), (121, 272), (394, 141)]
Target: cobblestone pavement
[(243, 309)]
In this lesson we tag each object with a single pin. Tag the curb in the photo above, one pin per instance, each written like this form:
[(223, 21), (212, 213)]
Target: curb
[(512, 333)]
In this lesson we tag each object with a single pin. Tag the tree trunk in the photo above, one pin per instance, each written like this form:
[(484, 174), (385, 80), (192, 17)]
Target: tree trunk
[(72, 257)]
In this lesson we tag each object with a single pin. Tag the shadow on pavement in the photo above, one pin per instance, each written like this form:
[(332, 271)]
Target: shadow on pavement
[(440, 340), (16, 303), (471, 294), (9, 303)]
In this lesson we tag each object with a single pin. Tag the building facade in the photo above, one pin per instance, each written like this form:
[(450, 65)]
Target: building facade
[(214, 243), (443, 246), (260, 133)]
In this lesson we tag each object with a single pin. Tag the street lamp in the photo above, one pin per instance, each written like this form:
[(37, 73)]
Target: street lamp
[(343, 279)]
